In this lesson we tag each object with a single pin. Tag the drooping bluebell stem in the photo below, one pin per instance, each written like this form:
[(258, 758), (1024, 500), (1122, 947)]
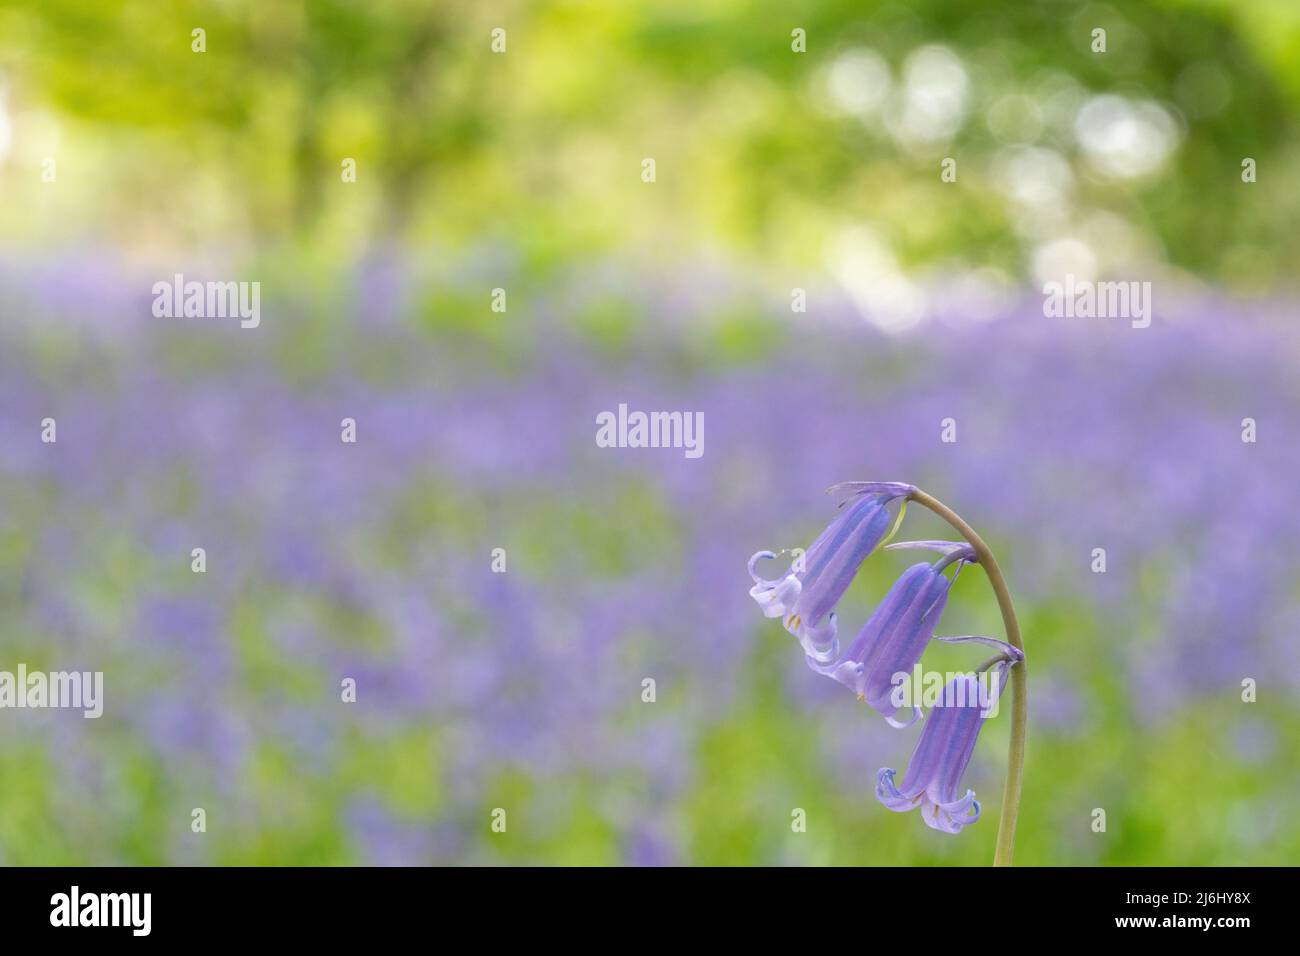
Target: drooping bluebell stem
[(892, 641)]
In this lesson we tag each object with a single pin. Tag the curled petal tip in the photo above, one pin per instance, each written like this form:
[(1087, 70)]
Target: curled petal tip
[(777, 597), (954, 816), (819, 642), (754, 559), (903, 725), (961, 809), (889, 795)]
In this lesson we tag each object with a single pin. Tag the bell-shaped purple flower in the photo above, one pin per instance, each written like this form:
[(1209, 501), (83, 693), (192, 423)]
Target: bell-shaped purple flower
[(896, 635), (806, 595), (934, 773)]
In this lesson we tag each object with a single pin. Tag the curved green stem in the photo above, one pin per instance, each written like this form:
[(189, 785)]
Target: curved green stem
[(1019, 702)]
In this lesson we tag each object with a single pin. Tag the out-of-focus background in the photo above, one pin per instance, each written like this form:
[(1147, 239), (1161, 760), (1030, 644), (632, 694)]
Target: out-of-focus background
[(127, 157)]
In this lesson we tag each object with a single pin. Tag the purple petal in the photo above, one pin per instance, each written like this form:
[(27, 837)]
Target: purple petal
[(891, 796)]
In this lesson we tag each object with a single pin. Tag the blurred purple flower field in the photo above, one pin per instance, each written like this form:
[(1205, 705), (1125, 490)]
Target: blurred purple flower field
[(478, 690)]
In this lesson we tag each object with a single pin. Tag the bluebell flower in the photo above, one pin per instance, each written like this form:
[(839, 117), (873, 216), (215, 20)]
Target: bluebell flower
[(897, 633), (942, 754), (806, 595)]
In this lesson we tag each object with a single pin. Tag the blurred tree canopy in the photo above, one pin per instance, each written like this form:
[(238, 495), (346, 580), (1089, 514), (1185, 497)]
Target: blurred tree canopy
[(762, 153)]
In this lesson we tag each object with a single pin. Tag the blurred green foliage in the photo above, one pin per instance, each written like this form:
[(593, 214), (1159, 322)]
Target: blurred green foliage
[(538, 150)]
